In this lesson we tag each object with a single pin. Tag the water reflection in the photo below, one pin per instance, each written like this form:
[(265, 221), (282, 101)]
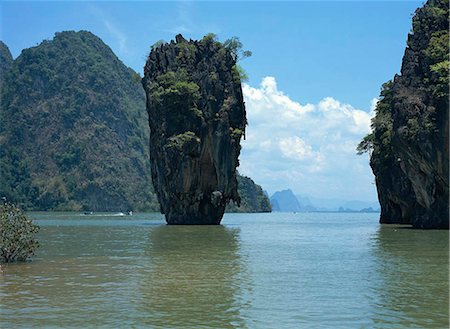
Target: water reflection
[(195, 277), (411, 278)]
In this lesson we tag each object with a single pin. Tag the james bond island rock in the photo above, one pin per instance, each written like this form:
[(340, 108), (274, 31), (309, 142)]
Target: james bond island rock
[(410, 136), (197, 118)]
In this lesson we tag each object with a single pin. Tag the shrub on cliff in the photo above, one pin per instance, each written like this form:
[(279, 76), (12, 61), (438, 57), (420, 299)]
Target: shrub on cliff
[(17, 232)]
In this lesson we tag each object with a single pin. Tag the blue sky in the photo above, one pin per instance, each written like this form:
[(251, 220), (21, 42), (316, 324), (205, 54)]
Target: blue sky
[(315, 72)]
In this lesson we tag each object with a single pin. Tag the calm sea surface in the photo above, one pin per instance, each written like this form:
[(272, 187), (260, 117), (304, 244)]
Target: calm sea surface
[(275, 270)]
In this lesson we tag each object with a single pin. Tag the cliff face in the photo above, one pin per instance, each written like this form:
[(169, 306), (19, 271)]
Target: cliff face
[(74, 133), (196, 117), (410, 130)]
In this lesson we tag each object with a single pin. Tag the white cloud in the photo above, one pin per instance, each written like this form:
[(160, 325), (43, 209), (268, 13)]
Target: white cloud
[(307, 147), (116, 33)]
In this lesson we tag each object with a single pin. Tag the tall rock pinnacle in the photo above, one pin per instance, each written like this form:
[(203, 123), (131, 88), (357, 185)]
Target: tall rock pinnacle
[(196, 117), (410, 139)]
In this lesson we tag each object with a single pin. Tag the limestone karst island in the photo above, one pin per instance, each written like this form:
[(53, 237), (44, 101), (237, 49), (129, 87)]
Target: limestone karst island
[(216, 164), (197, 118)]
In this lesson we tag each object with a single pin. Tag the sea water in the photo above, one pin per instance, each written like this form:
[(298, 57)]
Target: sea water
[(278, 270)]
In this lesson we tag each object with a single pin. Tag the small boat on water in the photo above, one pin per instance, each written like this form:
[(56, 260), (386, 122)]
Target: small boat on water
[(87, 213)]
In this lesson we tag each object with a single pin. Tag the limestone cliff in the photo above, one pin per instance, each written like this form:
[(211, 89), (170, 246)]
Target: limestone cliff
[(196, 117), (410, 130)]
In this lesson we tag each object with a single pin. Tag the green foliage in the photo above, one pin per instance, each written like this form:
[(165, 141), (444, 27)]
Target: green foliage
[(174, 90), (186, 52), (378, 143), (17, 242), (178, 141), (234, 46), (239, 74), (176, 97), (210, 37), (438, 47), (236, 133), (435, 14), (366, 145), (440, 74), (431, 23), (252, 196)]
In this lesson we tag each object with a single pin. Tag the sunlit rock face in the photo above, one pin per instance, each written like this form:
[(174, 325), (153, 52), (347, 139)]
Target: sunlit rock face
[(410, 158), (196, 117)]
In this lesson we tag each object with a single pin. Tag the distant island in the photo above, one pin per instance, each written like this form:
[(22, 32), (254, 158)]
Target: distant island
[(287, 201)]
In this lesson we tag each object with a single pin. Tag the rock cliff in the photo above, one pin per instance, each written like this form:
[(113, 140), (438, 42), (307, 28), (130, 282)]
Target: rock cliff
[(410, 137), (196, 117)]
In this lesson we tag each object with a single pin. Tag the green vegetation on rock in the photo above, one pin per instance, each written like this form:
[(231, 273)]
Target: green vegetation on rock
[(17, 234), (253, 198)]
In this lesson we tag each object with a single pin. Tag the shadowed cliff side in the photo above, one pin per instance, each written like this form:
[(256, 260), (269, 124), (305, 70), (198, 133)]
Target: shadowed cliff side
[(196, 117), (410, 136)]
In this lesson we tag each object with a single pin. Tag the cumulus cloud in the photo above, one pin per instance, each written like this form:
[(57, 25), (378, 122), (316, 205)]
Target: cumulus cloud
[(307, 147)]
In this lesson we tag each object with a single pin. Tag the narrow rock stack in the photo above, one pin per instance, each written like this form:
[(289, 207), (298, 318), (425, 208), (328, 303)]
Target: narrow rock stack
[(196, 117), (410, 138)]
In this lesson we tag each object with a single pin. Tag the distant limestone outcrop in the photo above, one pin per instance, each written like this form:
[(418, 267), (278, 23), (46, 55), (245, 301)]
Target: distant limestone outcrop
[(410, 139), (197, 118), (285, 200)]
